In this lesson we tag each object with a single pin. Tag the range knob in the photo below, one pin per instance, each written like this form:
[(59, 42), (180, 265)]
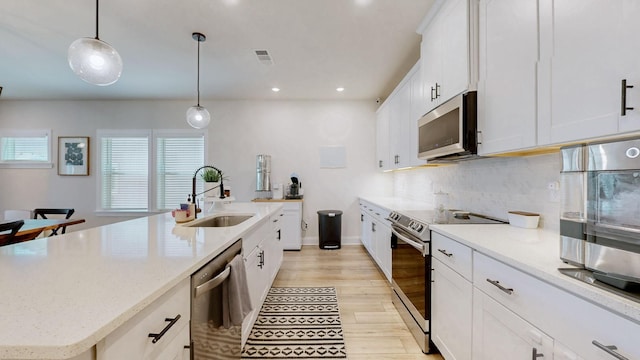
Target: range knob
[(419, 228)]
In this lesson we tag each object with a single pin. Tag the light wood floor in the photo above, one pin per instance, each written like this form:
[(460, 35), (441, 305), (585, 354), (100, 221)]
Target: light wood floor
[(372, 327)]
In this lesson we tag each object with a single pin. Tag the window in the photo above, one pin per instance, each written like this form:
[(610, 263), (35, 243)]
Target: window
[(177, 157), (144, 170), (25, 148)]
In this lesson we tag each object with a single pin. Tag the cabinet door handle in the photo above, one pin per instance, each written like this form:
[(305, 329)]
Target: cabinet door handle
[(432, 93), (361, 217), (609, 349), (437, 90), (496, 283), (535, 355), (379, 163), (479, 137), (623, 105), (445, 252), (261, 257), (373, 227), (279, 234), (158, 336)]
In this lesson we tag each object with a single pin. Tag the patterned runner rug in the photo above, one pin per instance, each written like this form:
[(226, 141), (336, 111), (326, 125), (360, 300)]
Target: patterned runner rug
[(297, 323)]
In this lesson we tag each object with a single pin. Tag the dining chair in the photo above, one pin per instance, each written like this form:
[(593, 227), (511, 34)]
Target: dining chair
[(44, 212), (8, 231)]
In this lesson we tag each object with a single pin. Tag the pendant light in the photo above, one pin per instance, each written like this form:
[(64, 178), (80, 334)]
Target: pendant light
[(95, 61), (197, 116)]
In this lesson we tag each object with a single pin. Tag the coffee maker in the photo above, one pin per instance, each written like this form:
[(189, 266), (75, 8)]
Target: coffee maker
[(294, 191)]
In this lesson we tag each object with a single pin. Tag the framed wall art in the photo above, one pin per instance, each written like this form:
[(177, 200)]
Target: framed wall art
[(73, 155)]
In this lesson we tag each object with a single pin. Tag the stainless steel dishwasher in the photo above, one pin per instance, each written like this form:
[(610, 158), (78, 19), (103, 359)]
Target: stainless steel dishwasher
[(210, 339)]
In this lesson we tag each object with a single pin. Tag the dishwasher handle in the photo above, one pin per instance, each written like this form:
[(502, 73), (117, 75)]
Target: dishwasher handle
[(213, 283)]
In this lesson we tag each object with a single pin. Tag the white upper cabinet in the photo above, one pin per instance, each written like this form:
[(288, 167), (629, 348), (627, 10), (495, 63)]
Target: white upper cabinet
[(448, 50), (397, 124), (507, 83), (382, 137), (587, 47)]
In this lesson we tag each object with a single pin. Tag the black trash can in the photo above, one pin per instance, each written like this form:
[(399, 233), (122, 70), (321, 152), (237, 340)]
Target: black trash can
[(330, 228)]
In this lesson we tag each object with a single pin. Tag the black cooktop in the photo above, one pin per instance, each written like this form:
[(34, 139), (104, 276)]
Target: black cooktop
[(464, 217)]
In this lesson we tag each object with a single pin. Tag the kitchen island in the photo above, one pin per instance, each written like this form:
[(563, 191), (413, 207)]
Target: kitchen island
[(63, 295)]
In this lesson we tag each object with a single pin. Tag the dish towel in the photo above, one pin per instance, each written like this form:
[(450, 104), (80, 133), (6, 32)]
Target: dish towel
[(236, 303)]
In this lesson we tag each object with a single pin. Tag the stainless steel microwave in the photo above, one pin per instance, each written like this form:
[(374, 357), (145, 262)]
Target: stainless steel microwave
[(449, 132)]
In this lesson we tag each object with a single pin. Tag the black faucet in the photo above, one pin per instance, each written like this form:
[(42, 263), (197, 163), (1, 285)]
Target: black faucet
[(193, 186)]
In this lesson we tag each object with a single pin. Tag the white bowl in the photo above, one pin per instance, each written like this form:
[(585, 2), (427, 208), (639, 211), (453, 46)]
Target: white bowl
[(524, 219)]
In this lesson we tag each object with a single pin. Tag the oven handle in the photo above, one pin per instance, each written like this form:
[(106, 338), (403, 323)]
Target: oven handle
[(418, 246)]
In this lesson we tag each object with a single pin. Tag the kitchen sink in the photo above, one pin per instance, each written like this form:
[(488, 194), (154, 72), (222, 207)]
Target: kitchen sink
[(220, 221)]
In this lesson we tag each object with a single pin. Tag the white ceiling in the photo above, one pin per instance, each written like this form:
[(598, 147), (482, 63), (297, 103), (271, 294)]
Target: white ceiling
[(364, 46)]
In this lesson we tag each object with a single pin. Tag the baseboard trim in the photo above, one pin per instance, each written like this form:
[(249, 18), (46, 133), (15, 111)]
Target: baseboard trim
[(345, 240)]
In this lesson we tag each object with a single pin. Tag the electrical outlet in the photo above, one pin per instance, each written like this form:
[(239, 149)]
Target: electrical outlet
[(305, 226), (553, 190)]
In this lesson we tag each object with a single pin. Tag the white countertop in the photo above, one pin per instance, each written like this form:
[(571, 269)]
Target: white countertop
[(535, 252), (61, 295), (397, 204)]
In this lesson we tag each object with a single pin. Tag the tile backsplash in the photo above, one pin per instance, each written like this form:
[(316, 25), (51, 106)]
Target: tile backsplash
[(490, 186)]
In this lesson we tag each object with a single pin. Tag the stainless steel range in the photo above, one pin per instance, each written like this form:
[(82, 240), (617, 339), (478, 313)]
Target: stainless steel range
[(411, 266)]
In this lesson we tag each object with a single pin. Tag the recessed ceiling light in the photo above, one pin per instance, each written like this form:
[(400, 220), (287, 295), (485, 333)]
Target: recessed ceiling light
[(275, 89), (363, 2), (340, 89)]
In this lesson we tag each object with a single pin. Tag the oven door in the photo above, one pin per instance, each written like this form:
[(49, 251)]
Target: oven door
[(411, 277)]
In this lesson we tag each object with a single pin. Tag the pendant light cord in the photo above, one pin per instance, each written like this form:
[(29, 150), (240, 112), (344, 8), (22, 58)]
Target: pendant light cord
[(198, 71), (97, 38)]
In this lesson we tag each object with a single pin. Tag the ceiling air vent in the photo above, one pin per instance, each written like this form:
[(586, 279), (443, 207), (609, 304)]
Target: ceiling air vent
[(264, 57)]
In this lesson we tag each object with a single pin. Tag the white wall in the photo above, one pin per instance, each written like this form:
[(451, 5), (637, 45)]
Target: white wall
[(290, 131), (490, 186)]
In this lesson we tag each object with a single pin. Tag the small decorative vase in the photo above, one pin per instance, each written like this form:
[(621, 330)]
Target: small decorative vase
[(210, 185)]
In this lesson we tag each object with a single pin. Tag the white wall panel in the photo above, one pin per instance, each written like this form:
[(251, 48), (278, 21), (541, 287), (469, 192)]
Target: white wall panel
[(290, 131)]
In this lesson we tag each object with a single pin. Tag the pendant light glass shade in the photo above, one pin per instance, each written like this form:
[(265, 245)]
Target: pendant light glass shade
[(95, 61), (198, 117)]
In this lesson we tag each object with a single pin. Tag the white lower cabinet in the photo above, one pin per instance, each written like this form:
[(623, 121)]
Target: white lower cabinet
[(500, 334), (132, 341), (451, 312), (561, 352), (516, 315), (376, 235), (262, 253), (365, 231), (382, 245), (570, 320), (290, 226)]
